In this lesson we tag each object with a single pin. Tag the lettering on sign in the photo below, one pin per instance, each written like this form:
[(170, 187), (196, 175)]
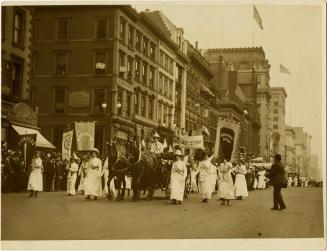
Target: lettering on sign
[(79, 99)]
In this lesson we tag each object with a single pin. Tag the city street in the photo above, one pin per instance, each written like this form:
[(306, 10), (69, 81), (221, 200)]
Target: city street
[(54, 216)]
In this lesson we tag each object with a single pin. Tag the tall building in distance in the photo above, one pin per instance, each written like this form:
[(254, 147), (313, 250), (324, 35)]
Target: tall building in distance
[(278, 120), (290, 151), (300, 147)]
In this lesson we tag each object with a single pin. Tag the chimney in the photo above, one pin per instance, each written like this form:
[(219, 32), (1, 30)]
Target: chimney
[(196, 44)]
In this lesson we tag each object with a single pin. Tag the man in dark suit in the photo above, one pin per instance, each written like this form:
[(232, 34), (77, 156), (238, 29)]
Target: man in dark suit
[(277, 178)]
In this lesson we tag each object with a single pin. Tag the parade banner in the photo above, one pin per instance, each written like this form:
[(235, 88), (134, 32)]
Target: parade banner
[(226, 138), (27, 145), (67, 140), (192, 142), (85, 135)]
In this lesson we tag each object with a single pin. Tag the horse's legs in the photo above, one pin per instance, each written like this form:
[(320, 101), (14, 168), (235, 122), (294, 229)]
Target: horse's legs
[(108, 184), (135, 189), (123, 189)]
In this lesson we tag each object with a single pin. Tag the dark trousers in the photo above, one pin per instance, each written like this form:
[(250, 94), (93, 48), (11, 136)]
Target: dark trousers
[(278, 198)]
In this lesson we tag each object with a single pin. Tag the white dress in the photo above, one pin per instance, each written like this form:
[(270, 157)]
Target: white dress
[(240, 185), (177, 179), (225, 182), (35, 180), (289, 181), (92, 182), (71, 178), (207, 179), (261, 180)]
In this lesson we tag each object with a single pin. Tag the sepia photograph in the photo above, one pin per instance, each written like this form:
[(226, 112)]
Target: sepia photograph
[(175, 122)]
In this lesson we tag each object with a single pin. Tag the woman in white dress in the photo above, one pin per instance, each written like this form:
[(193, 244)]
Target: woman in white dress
[(261, 178), (72, 168), (92, 182), (82, 173), (35, 180), (207, 178), (177, 178), (225, 183), (289, 181), (240, 185)]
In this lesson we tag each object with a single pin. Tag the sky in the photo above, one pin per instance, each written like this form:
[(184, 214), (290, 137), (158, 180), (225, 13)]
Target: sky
[(291, 36)]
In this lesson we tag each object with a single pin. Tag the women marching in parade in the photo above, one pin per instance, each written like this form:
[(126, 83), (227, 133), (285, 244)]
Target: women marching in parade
[(92, 182), (225, 183), (240, 185), (35, 181), (72, 176), (207, 177), (177, 178)]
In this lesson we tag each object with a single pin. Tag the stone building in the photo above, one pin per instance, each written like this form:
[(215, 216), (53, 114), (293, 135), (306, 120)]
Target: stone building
[(241, 98), (111, 65), (18, 110), (301, 150), (278, 120), (290, 151)]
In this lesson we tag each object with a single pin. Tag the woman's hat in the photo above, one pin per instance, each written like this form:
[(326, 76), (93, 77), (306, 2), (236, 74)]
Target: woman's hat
[(178, 152), (95, 150), (156, 135)]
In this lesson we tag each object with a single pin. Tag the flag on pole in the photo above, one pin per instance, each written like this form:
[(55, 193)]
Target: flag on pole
[(257, 17), (283, 69)]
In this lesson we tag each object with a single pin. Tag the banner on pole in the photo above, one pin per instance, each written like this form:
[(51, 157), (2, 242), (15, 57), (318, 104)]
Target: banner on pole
[(85, 135), (27, 145), (67, 139), (192, 142), (226, 138)]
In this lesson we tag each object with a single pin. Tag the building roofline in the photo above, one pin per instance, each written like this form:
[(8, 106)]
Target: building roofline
[(238, 49), (279, 89)]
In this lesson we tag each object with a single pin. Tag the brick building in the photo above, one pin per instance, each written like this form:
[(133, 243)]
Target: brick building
[(18, 113), (103, 64)]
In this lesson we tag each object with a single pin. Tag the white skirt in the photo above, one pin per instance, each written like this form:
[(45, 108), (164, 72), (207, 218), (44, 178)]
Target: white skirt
[(92, 183), (225, 190), (177, 188), (71, 181), (255, 183), (261, 182), (35, 180), (205, 188), (240, 186)]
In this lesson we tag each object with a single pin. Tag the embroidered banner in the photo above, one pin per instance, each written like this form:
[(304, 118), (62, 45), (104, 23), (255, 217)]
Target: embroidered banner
[(67, 139), (85, 135), (226, 139), (27, 145)]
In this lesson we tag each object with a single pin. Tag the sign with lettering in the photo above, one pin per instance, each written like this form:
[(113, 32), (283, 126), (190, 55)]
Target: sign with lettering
[(67, 140), (79, 99), (192, 142), (85, 135)]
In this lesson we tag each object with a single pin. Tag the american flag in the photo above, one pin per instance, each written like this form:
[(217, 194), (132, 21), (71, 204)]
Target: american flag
[(283, 69), (257, 17)]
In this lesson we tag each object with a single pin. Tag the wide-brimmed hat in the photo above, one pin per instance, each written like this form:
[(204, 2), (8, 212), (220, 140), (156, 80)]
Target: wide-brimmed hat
[(178, 152), (95, 150), (156, 135)]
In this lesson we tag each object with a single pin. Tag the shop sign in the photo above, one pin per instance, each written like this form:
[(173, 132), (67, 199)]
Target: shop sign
[(79, 99)]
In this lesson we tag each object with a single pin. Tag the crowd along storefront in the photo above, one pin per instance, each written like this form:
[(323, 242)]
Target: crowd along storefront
[(21, 119)]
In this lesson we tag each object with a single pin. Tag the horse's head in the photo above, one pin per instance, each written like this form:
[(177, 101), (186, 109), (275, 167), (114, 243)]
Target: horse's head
[(132, 148)]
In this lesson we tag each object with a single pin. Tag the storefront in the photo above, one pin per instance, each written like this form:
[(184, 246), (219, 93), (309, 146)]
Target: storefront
[(18, 120)]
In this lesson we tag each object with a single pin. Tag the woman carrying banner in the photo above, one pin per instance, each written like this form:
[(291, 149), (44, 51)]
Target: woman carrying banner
[(177, 178), (225, 183), (92, 182), (240, 186), (35, 181), (72, 168), (207, 177)]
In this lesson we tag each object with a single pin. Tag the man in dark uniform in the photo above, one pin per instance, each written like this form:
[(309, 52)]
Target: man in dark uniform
[(277, 178)]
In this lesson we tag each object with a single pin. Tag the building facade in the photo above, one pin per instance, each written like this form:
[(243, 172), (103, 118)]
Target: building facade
[(300, 148), (19, 114), (290, 151), (120, 69), (229, 66), (278, 120)]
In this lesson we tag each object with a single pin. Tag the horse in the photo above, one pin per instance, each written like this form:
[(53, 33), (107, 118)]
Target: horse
[(118, 168), (143, 168)]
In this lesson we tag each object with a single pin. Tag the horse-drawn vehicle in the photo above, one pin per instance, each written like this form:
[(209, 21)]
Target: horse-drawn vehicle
[(149, 171)]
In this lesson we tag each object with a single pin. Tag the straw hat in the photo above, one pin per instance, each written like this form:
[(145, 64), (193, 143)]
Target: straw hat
[(178, 152)]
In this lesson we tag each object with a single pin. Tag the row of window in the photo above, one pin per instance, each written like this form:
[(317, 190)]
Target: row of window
[(136, 39), (166, 62)]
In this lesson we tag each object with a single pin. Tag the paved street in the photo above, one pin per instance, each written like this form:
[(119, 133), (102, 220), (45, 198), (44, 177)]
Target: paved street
[(53, 216)]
